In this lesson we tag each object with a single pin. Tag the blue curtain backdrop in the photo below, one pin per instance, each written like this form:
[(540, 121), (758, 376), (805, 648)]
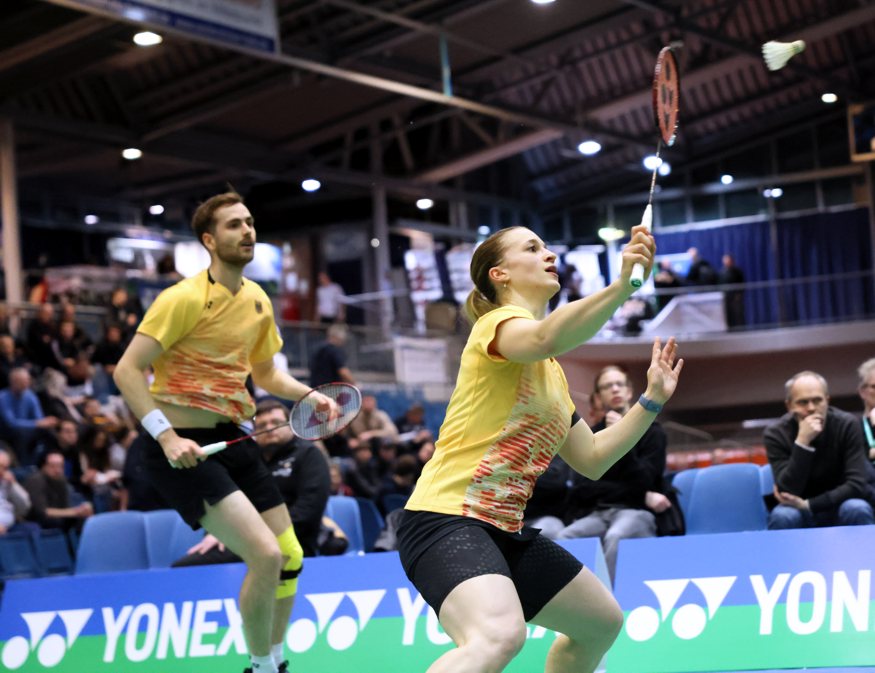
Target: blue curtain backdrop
[(810, 245)]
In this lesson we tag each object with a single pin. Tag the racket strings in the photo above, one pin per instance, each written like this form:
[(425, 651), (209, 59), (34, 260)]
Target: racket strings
[(310, 423)]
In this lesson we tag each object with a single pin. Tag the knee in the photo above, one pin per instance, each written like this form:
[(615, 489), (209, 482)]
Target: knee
[(500, 643), (855, 512), (784, 517), (266, 557)]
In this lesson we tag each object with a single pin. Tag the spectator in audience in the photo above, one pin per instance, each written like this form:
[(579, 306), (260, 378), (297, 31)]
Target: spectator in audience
[(22, 415), (14, 500), (10, 359), (426, 451), (337, 486), (413, 432), (400, 480), (385, 459), (39, 337), (867, 394), (65, 438), (54, 399), (730, 274), (701, 272), (546, 508), (107, 354), (72, 358), (98, 476), (125, 311), (68, 314), (330, 306), (818, 460), (363, 475), (301, 473), (665, 279), (596, 411), (141, 492), (50, 495), (328, 363), (622, 504), (94, 413), (372, 426)]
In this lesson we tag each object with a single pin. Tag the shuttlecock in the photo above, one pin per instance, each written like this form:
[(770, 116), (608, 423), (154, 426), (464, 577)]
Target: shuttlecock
[(776, 54)]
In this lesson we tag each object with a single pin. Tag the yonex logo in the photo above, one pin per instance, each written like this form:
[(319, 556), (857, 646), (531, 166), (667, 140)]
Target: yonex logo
[(689, 620), (50, 649), (340, 632)]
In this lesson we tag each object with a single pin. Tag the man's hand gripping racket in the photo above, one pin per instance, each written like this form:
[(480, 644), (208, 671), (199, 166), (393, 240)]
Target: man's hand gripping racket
[(666, 105)]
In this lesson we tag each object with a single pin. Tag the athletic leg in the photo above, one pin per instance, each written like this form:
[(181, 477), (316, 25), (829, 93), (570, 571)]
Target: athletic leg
[(277, 519)]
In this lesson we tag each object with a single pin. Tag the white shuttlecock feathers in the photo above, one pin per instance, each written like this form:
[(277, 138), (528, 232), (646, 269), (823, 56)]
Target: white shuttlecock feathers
[(776, 54)]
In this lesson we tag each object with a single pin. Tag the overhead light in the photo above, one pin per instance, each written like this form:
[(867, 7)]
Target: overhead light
[(132, 153), (652, 162), (147, 39), (424, 204), (311, 185), (543, 2), (608, 234), (829, 98), (727, 179), (483, 230), (375, 242), (91, 219), (664, 168), (156, 209), (777, 193), (589, 147)]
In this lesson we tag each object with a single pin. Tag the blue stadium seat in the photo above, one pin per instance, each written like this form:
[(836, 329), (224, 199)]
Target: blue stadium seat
[(767, 479), (54, 552), (726, 499), (344, 511), (683, 481), (168, 537), (372, 522), (18, 557), (393, 501), (112, 542)]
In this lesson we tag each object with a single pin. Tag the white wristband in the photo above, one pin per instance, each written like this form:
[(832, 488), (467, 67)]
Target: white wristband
[(155, 422)]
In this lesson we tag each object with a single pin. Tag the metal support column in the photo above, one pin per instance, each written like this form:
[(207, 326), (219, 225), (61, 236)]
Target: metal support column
[(11, 224)]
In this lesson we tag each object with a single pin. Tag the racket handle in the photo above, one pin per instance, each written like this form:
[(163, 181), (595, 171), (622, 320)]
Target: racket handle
[(637, 277), (210, 449)]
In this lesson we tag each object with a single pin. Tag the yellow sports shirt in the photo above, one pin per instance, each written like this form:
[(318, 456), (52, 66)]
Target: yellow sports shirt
[(504, 423), (210, 338)]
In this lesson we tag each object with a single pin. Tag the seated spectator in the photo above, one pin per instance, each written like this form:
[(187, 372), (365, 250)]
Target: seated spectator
[(50, 495), (363, 475), (328, 362), (818, 459), (39, 337), (68, 314), (106, 356), (14, 500), (95, 413), (300, 471), (413, 432), (125, 311), (546, 508), (73, 360), (623, 503), (337, 486), (21, 415), (867, 394), (400, 480), (65, 438), (53, 396), (372, 426), (99, 480), (387, 456), (10, 359)]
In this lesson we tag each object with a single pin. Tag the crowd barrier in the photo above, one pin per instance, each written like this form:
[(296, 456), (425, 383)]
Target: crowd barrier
[(728, 602)]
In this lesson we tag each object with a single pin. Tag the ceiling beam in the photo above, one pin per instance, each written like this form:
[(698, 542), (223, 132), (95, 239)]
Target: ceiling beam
[(63, 36)]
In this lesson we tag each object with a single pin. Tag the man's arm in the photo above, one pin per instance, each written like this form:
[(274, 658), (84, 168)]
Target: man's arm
[(277, 382), (850, 444), (791, 463)]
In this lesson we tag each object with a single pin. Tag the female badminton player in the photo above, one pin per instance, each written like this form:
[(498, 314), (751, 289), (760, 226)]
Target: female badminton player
[(461, 540), (203, 337)]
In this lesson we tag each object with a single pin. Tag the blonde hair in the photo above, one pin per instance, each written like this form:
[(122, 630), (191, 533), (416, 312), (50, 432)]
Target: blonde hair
[(484, 297), (865, 369)]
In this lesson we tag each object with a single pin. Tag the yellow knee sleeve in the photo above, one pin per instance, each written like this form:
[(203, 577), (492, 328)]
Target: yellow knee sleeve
[(291, 548)]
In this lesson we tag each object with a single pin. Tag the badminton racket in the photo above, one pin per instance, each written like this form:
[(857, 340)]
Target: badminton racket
[(666, 95), (308, 423)]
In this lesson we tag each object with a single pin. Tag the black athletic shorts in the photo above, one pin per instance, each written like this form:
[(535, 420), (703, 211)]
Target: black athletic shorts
[(238, 467), (440, 551)]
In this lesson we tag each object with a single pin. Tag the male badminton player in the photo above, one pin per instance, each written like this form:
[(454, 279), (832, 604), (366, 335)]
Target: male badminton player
[(461, 540), (203, 337)]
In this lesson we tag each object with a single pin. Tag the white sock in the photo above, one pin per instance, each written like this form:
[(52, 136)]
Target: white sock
[(277, 653), (262, 664)]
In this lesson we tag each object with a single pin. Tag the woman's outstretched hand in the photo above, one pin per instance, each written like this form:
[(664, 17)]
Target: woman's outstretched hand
[(663, 373)]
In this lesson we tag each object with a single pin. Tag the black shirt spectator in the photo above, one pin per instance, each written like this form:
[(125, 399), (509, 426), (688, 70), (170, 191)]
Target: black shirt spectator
[(328, 363)]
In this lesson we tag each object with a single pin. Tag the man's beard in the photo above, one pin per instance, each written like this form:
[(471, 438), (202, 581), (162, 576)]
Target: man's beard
[(234, 256)]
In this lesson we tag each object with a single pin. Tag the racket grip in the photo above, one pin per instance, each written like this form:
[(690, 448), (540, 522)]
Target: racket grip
[(637, 277), (215, 447)]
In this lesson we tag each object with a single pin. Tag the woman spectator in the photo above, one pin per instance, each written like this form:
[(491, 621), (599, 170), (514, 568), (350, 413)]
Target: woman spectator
[(97, 473)]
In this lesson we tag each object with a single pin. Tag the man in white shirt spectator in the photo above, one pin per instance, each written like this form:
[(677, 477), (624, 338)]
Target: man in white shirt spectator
[(330, 306)]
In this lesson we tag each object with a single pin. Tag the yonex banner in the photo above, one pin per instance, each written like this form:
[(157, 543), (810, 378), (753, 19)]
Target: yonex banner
[(245, 23), (352, 614), (746, 601)]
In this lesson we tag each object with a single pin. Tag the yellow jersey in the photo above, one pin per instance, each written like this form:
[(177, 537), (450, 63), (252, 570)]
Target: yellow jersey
[(504, 423), (210, 339)]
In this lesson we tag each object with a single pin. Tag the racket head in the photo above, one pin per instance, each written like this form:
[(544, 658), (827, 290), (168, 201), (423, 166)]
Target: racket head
[(666, 95), (307, 423)]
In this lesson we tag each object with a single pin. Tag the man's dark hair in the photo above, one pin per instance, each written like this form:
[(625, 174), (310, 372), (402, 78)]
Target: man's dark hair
[(203, 220), (268, 405), (43, 457)]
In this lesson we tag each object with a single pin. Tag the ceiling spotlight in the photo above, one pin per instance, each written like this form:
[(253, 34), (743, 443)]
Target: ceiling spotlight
[(777, 193), (608, 234), (132, 153), (483, 230), (727, 179), (424, 204), (829, 98), (664, 168), (147, 39), (91, 219), (543, 2), (589, 147), (652, 162), (156, 209), (311, 185), (767, 193), (375, 242)]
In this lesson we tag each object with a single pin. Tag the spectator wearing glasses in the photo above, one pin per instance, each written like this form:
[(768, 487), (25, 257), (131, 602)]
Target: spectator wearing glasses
[(822, 477), (867, 394)]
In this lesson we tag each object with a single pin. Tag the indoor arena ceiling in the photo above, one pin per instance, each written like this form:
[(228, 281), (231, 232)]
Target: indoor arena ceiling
[(357, 98)]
